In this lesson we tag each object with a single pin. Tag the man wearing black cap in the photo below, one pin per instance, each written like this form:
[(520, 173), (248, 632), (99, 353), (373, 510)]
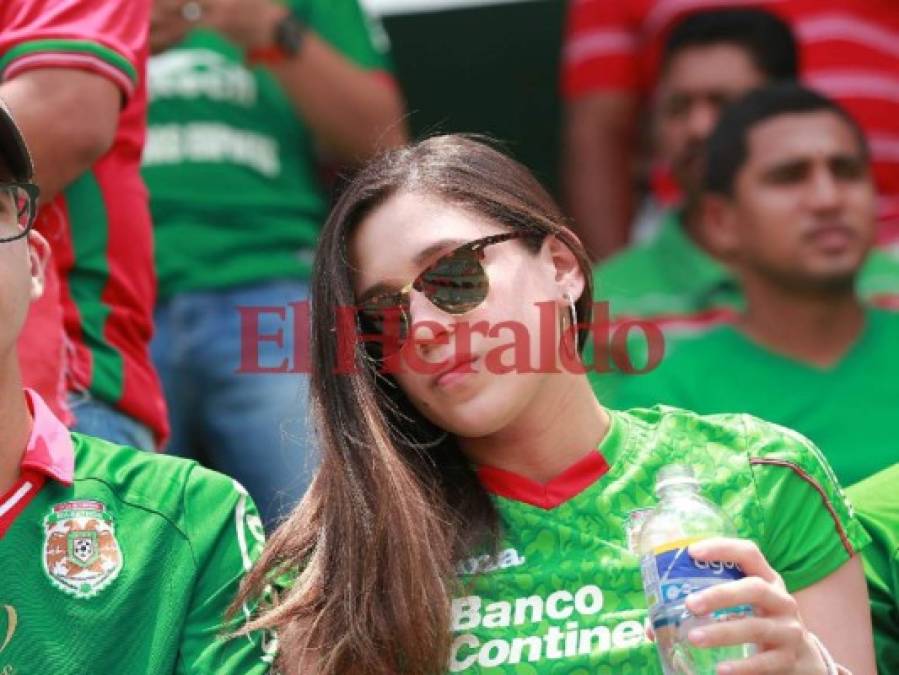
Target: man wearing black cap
[(72, 72), (124, 561)]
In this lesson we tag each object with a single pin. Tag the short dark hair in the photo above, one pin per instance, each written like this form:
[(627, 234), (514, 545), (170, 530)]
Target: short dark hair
[(768, 40), (727, 147)]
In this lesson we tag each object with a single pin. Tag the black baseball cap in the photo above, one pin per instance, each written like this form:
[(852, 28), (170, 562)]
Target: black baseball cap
[(13, 152)]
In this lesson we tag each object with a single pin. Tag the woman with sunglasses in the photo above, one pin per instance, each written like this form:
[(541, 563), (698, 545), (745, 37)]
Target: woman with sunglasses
[(474, 501)]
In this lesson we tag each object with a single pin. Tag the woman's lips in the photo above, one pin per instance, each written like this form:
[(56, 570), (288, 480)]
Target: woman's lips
[(458, 370)]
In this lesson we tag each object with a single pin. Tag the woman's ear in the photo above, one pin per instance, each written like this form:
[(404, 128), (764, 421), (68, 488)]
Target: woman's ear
[(38, 258), (569, 276)]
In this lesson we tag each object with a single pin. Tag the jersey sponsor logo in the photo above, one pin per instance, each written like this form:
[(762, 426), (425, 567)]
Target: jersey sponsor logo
[(200, 73), (211, 142), (572, 633), (81, 553), (490, 563)]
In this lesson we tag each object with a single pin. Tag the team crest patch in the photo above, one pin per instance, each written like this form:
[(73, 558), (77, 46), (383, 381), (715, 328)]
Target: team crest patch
[(81, 553)]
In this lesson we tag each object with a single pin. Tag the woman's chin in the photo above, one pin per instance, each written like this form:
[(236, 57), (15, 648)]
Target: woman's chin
[(475, 418)]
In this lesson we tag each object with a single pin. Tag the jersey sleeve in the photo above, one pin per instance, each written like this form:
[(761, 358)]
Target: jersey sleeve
[(357, 35), (226, 536), (809, 525), (105, 38), (876, 501), (601, 49)]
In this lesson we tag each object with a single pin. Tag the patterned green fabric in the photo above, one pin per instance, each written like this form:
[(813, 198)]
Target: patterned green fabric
[(876, 501), (563, 596), (163, 545)]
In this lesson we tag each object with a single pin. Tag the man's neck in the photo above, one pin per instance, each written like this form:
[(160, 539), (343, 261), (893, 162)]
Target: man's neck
[(565, 424), (15, 427), (817, 328)]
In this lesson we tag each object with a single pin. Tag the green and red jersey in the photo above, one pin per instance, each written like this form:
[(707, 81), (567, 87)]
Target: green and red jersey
[(99, 227), (232, 168), (124, 561), (562, 595), (847, 409), (876, 501)]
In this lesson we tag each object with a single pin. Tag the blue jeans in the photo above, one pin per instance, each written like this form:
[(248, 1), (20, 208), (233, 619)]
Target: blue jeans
[(249, 425), (97, 418)]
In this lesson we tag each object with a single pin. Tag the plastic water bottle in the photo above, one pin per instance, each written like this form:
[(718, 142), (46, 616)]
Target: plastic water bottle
[(670, 574)]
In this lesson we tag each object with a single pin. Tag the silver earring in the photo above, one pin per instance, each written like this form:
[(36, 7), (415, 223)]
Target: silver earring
[(572, 317)]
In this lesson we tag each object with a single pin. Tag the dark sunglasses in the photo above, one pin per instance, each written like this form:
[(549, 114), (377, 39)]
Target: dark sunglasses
[(18, 208), (456, 283)]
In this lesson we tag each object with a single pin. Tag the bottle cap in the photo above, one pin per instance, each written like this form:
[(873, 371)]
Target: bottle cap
[(675, 474)]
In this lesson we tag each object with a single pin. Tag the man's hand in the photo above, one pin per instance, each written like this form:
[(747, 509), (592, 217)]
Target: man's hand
[(248, 23), (170, 21)]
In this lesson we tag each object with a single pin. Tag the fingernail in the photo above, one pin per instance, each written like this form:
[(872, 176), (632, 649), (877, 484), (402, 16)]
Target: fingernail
[(697, 636), (725, 669), (695, 549)]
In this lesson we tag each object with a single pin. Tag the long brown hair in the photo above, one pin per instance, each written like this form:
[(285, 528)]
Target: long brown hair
[(394, 505)]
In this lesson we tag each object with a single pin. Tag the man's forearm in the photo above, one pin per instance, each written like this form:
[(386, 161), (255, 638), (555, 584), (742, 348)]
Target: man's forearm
[(69, 119), (353, 112), (599, 197), (597, 172)]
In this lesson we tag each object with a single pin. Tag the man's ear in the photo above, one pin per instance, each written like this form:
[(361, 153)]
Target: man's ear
[(720, 226), (569, 276), (38, 259)]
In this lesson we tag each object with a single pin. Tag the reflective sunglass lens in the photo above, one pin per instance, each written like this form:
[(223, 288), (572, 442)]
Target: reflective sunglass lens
[(457, 283)]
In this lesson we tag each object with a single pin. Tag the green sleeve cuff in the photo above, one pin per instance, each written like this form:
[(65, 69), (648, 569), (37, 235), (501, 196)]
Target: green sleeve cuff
[(61, 48)]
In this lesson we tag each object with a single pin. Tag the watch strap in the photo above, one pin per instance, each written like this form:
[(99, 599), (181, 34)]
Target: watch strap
[(287, 39)]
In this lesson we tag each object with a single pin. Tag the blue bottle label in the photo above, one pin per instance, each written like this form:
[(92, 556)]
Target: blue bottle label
[(670, 574)]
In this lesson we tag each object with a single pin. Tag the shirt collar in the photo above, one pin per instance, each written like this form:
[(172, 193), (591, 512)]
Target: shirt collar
[(685, 261), (50, 449)]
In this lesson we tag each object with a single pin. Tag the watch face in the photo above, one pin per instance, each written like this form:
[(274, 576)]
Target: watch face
[(289, 35)]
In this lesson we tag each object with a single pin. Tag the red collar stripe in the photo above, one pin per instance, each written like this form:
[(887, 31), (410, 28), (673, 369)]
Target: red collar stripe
[(567, 485)]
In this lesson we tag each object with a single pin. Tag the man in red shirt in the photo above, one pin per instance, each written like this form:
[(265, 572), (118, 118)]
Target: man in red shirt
[(849, 50), (72, 72)]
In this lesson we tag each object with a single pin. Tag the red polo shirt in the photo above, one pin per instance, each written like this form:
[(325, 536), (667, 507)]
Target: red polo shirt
[(99, 228)]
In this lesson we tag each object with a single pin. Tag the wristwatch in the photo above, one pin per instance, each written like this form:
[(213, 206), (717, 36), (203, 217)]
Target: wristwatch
[(287, 40)]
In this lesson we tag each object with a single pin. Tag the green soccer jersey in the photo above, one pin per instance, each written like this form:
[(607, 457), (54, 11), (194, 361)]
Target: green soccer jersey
[(231, 168), (563, 594), (122, 562), (848, 409), (876, 501)]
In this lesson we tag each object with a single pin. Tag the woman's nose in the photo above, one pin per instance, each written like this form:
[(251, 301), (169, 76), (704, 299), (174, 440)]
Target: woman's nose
[(427, 323)]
